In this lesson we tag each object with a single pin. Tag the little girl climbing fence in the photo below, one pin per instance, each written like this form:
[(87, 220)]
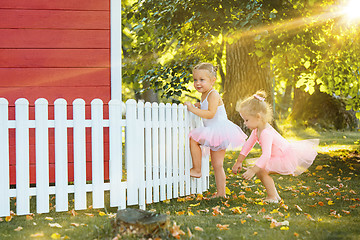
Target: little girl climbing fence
[(148, 155)]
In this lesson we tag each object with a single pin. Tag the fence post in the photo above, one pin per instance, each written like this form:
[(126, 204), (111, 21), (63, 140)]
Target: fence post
[(117, 193), (61, 159), (22, 156), (97, 146), (131, 153), (79, 154), (42, 155), (4, 159)]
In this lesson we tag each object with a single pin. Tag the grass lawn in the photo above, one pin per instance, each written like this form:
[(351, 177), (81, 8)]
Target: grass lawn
[(322, 203)]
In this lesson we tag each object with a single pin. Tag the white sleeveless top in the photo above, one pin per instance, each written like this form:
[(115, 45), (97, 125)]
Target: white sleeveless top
[(219, 115)]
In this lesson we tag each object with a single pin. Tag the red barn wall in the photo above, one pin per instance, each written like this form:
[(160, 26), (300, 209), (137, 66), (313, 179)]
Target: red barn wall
[(54, 49)]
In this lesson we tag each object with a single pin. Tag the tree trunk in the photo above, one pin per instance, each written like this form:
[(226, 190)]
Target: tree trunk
[(244, 76)]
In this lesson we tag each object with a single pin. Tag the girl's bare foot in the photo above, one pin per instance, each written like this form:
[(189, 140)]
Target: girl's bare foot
[(271, 200), (194, 173), (216, 195)]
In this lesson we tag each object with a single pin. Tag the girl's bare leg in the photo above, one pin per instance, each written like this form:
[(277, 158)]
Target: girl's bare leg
[(217, 160), (195, 150), (268, 182)]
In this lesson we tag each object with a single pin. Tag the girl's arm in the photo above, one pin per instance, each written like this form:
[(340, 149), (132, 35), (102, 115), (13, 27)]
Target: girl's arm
[(213, 100), (266, 140), (249, 144)]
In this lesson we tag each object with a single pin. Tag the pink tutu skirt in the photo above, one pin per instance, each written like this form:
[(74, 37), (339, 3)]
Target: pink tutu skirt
[(294, 160), (226, 135)]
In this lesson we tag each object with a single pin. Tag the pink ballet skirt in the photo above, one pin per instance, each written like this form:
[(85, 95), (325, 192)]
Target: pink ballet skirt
[(219, 132), (281, 156)]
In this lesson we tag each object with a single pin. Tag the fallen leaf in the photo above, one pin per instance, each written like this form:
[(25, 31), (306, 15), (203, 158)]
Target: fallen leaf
[(197, 228), (49, 218), (41, 234), (176, 231), (55, 236), (243, 221), (72, 212), (189, 233), (8, 218), (89, 214), (75, 224), (222, 227), (319, 167), (55, 225), (18, 229), (284, 228), (194, 205), (298, 208), (102, 213), (180, 213)]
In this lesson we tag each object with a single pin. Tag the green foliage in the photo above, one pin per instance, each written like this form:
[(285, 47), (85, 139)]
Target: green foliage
[(169, 37), (320, 50)]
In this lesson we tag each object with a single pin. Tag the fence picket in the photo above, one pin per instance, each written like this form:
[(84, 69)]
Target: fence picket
[(168, 145), (22, 156), (97, 146), (155, 151), (141, 154), (181, 149), (117, 193), (162, 150), (148, 154), (4, 159), (79, 154), (131, 153), (187, 154), (42, 155), (61, 160), (175, 150)]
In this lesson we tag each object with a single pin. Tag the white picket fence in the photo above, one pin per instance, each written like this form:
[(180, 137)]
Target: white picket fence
[(155, 168)]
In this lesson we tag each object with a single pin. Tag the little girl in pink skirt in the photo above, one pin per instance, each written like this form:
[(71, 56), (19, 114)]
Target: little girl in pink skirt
[(278, 155)]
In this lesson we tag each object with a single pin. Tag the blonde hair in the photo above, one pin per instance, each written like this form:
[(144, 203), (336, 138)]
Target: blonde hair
[(256, 104), (207, 66)]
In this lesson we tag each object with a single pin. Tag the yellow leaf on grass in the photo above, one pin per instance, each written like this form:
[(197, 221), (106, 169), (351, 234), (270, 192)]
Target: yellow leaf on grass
[(89, 214), (190, 213), (331, 202), (8, 218), (49, 218), (166, 201), (243, 221), (41, 234), (319, 167), (194, 205), (284, 228), (55, 236), (227, 191), (102, 213)]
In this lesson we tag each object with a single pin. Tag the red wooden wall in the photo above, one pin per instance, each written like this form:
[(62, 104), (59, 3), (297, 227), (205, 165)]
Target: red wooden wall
[(54, 49)]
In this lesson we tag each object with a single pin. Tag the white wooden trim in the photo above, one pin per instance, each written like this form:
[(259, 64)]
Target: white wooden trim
[(115, 49)]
